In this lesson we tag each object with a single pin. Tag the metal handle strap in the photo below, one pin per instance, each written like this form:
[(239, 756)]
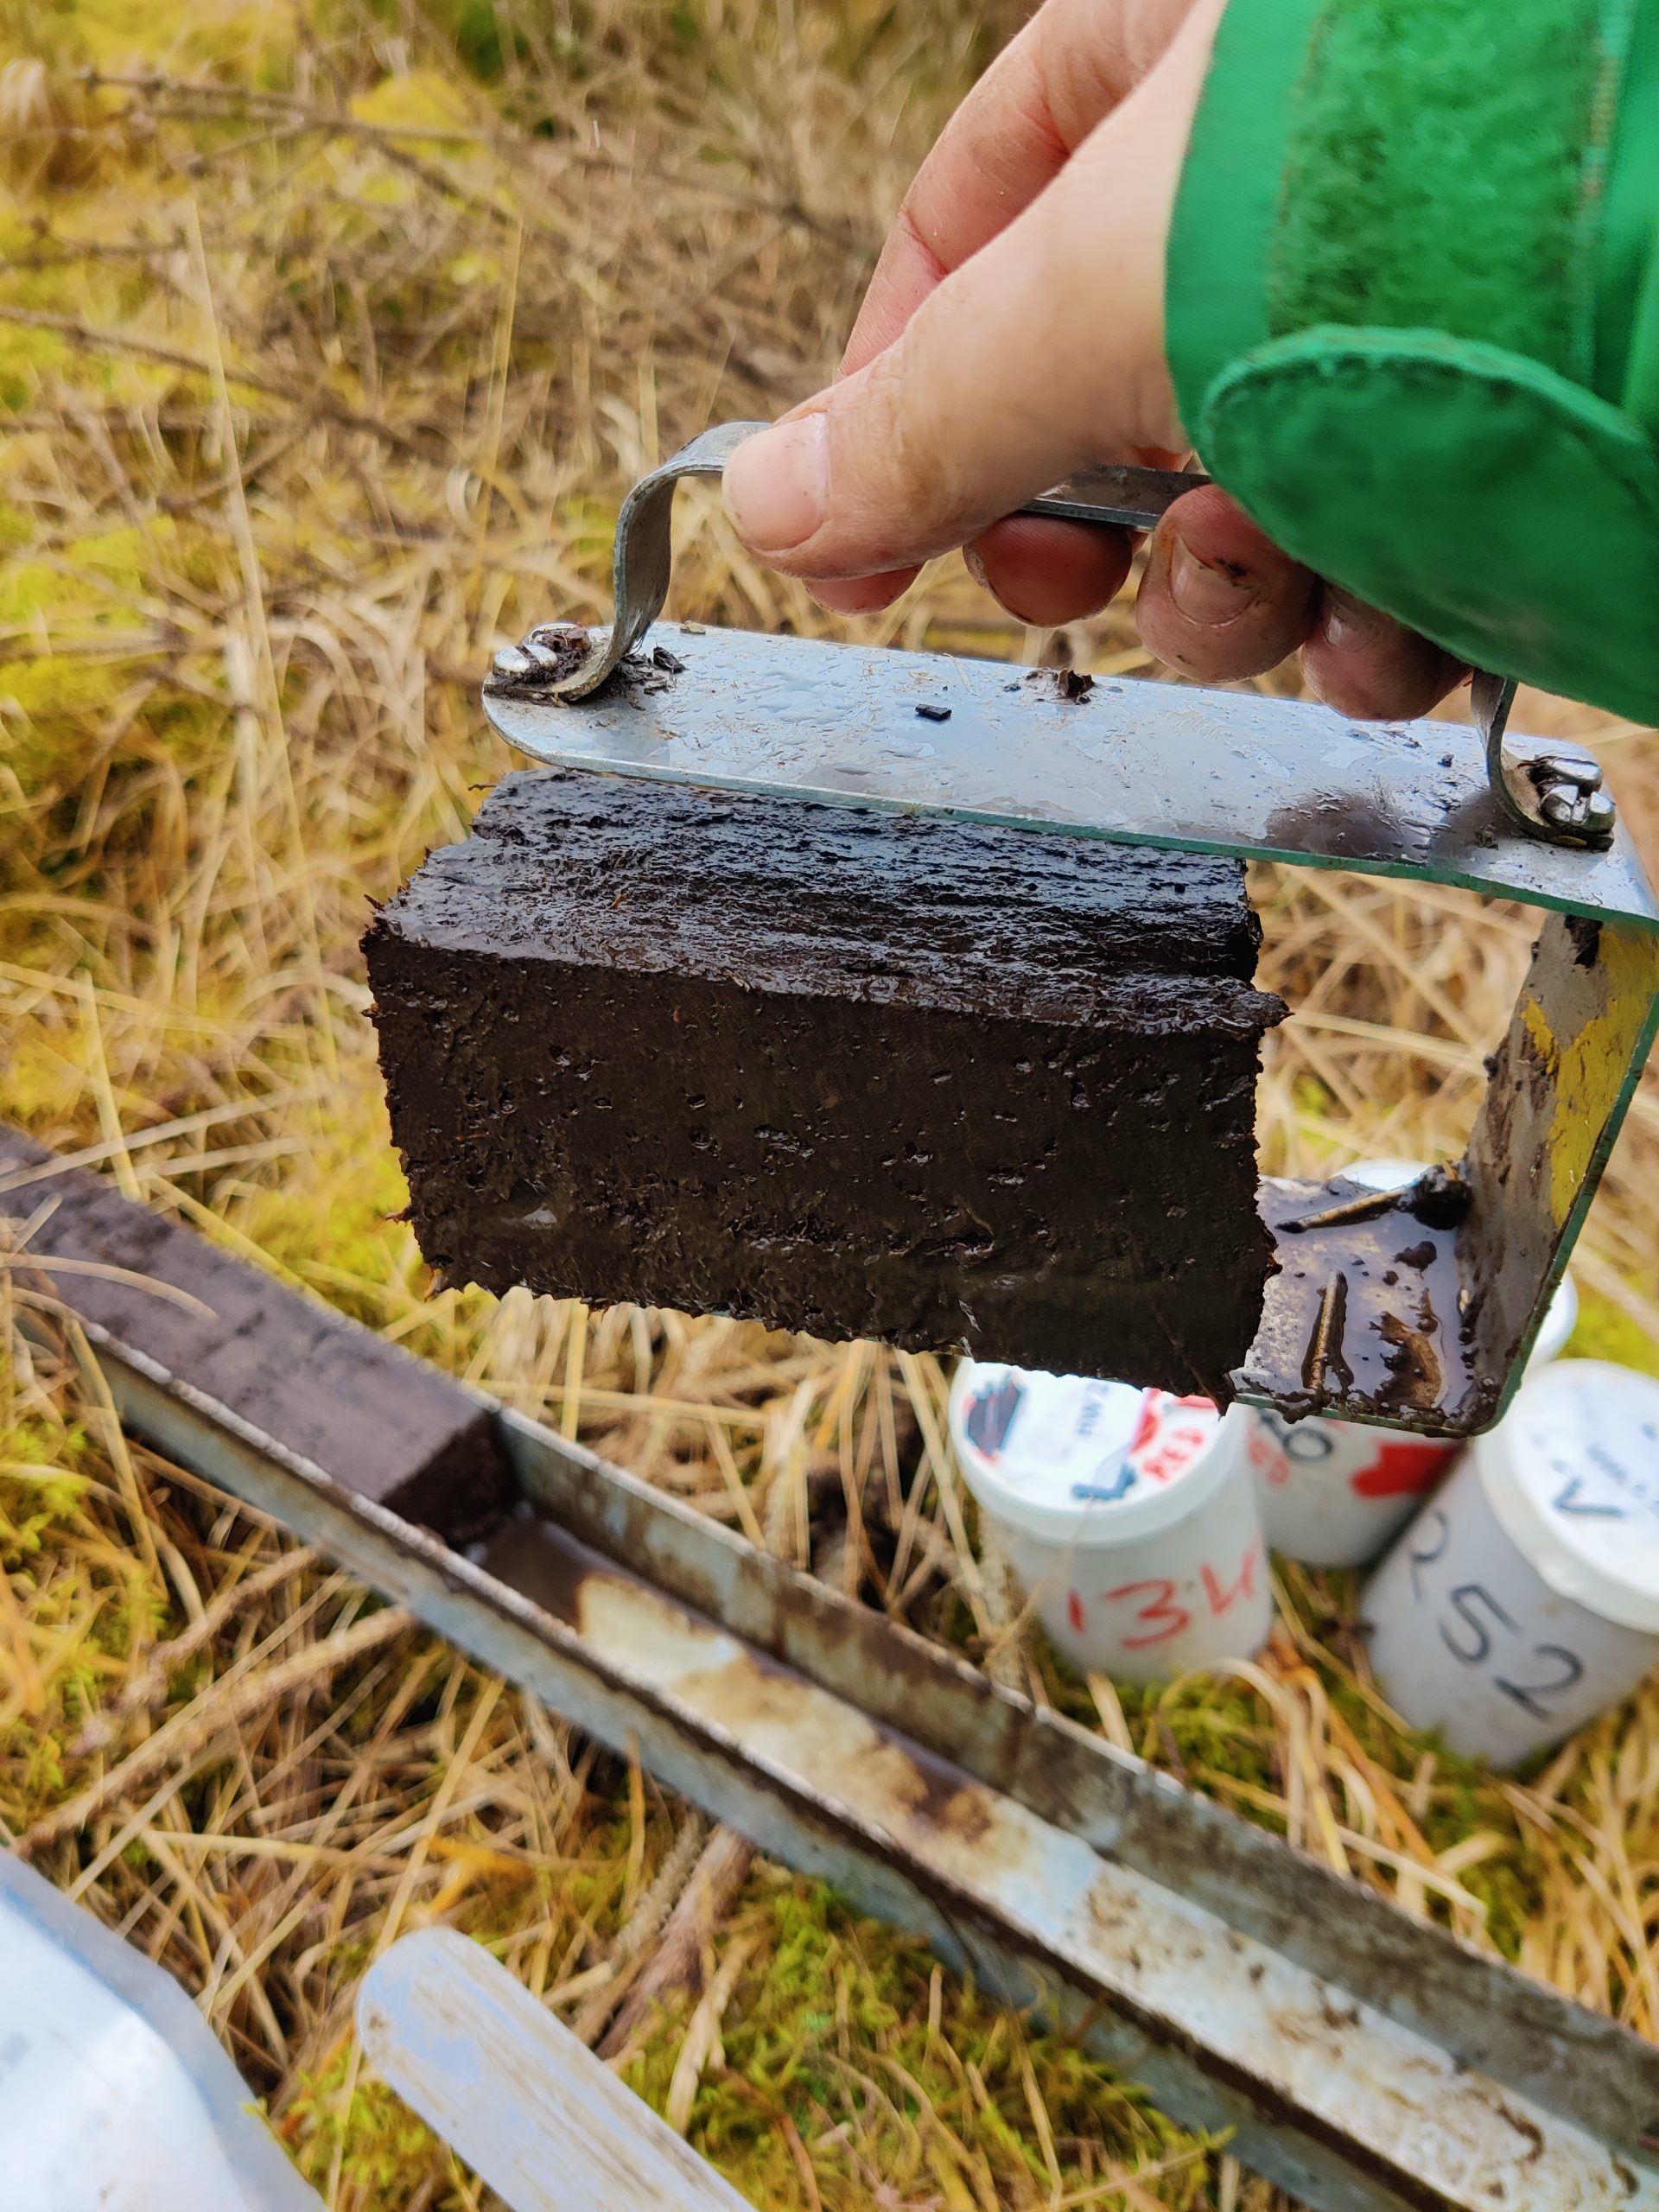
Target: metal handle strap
[(1554, 793), (644, 557)]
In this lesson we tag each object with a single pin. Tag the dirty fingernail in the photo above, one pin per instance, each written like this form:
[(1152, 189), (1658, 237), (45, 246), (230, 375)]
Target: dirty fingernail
[(973, 561), (1204, 593), (778, 485)]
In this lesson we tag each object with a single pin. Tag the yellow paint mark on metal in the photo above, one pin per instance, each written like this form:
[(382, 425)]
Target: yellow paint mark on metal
[(1587, 1068)]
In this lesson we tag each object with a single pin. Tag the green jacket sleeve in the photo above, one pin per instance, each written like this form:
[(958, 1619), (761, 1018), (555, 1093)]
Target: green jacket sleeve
[(1413, 316)]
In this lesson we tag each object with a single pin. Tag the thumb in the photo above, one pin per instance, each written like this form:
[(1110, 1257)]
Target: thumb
[(1042, 354)]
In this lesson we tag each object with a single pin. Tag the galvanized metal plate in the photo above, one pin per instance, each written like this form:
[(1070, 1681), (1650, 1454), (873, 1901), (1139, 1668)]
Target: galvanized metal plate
[(1134, 762)]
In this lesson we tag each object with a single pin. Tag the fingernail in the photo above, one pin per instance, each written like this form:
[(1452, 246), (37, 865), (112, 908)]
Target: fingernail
[(1206, 594), (1342, 619), (973, 562), (778, 485)]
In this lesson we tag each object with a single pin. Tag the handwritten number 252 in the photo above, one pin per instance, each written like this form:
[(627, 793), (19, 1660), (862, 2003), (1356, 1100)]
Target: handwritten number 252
[(1470, 1636)]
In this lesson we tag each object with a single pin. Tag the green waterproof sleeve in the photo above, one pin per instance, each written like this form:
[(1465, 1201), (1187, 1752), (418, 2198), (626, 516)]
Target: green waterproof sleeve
[(1413, 316)]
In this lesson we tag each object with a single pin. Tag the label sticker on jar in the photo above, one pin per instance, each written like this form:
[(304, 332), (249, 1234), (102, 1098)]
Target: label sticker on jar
[(1372, 1463), (1063, 1440), (1127, 1515)]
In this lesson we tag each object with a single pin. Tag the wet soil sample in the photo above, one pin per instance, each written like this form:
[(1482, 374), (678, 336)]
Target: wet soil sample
[(200, 1324), (856, 1073)]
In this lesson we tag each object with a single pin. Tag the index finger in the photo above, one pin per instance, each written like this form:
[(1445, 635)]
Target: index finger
[(1040, 99)]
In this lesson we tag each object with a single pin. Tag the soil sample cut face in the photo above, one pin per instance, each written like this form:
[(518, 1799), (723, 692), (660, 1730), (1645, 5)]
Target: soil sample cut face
[(855, 1073), (212, 1331)]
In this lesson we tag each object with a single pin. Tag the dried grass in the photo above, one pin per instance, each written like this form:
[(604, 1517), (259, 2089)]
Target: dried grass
[(328, 339)]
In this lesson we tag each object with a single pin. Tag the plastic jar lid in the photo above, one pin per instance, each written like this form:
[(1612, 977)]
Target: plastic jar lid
[(1555, 1330), (1080, 1462), (1572, 1474), (1561, 1316), (1383, 1174)]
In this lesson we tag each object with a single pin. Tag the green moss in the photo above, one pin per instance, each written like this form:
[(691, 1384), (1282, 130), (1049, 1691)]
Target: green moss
[(246, 35), (1607, 1332), (26, 358), (30, 1504), (333, 1221), (383, 2151), (42, 1515), (834, 2027), (829, 2026), (481, 43)]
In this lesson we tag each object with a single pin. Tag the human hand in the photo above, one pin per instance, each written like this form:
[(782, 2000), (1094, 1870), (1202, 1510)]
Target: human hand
[(1013, 334)]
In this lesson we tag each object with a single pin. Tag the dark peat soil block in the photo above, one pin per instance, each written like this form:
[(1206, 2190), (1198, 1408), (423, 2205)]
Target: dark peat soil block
[(856, 1073), (317, 1387)]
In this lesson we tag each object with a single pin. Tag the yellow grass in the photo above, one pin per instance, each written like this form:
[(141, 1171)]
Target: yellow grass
[(329, 337)]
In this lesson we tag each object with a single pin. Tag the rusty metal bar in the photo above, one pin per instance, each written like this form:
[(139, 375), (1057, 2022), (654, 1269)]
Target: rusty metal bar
[(1364, 2060)]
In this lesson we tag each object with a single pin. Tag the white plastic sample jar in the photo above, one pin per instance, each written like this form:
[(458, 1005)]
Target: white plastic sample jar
[(1127, 1515), (1334, 1492), (1524, 1598)]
